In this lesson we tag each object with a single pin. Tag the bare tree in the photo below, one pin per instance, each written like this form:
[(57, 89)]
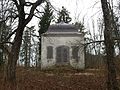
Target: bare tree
[(112, 83), (6, 19), (23, 20)]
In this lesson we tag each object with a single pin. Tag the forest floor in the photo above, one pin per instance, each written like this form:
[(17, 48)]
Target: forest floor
[(58, 79)]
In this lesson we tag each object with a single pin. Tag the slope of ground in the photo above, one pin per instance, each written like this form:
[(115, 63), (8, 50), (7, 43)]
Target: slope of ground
[(58, 79)]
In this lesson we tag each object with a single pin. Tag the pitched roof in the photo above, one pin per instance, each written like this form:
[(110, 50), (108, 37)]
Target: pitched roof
[(62, 27)]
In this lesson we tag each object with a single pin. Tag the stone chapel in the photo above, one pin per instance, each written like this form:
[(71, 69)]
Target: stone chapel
[(61, 45)]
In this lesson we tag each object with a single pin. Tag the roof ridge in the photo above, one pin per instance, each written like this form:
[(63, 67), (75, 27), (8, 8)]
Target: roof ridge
[(62, 28)]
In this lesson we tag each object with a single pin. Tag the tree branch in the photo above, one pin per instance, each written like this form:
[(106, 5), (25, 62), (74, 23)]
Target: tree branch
[(10, 35), (38, 11), (94, 42), (5, 49), (1, 43), (116, 38), (16, 3), (22, 2), (28, 3), (33, 15), (38, 2)]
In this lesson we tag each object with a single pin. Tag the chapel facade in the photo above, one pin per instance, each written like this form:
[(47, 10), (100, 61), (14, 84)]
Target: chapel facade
[(62, 44)]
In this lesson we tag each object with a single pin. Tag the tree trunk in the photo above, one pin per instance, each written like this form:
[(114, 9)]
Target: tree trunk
[(22, 22), (112, 83), (26, 51), (13, 57), (39, 60)]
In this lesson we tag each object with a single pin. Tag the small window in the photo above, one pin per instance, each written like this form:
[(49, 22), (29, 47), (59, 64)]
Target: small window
[(49, 52), (75, 50)]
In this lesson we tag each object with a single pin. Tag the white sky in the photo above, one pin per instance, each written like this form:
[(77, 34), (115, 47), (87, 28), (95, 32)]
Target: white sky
[(88, 9), (79, 9)]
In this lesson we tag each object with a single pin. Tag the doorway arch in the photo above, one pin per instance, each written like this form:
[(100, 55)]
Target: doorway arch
[(62, 55)]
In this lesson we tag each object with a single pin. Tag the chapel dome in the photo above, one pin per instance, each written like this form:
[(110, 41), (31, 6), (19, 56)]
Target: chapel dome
[(62, 27)]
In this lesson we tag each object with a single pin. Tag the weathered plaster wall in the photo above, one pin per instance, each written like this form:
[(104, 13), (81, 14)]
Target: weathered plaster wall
[(57, 40)]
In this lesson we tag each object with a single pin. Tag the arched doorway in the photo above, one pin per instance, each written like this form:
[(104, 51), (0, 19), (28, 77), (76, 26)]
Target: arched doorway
[(62, 54)]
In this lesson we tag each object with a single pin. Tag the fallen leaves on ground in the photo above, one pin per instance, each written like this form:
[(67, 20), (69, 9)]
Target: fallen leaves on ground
[(59, 79)]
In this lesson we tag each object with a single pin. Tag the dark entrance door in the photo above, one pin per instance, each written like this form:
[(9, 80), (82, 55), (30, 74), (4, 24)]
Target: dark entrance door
[(62, 55)]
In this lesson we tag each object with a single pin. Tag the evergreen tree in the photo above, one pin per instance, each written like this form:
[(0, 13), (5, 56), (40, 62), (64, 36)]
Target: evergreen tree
[(45, 19), (63, 16), (44, 24)]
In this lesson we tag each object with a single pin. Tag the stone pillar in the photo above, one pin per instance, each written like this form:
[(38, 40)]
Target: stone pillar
[(54, 55), (70, 55)]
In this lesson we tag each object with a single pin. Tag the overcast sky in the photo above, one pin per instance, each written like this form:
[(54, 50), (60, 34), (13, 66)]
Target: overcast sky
[(81, 8), (88, 9)]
